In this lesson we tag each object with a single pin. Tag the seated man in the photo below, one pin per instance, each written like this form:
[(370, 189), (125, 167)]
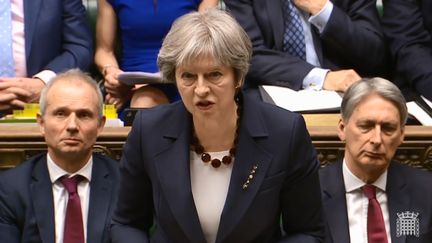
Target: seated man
[(37, 40), (316, 45), (408, 26), (368, 197), (68, 194)]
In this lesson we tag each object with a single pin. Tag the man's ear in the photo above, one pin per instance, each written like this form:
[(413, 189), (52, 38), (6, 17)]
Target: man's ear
[(341, 129), (40, 121), (101, 124), (402, 137)]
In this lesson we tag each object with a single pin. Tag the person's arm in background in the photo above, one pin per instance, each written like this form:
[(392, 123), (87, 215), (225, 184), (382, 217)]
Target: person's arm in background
[(16, 92), (105, 59), (268, 66), (320, 12), (353, 32), (274, 67), (410, 43), (70, 43), (206, 4)]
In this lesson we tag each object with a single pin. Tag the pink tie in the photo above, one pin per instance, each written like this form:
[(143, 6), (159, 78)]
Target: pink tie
[(74, 229), (375, 223)]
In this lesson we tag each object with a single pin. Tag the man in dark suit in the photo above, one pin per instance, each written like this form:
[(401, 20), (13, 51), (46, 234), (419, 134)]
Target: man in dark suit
[(408, 26), (48, 37), (343, 42), (372, 125), (35, 200)]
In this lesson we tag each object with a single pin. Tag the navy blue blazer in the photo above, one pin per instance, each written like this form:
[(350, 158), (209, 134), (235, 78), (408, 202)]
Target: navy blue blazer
[(408, 189), (352, 39), (155, 187), (27, 208), (57, 36), (408, 26)]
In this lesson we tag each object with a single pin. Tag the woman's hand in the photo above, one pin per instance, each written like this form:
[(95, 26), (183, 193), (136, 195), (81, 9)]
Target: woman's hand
[(117, 91), (118, 102)]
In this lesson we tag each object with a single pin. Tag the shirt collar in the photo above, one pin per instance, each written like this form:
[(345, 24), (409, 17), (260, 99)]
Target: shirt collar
[(353, 183), (55, 171)]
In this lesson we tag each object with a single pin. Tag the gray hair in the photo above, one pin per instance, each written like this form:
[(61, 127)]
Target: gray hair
[(73, 76), (213, 33), (367, 86)]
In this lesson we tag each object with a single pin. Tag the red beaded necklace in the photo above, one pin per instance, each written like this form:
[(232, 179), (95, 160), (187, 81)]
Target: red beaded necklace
[(205, 157)]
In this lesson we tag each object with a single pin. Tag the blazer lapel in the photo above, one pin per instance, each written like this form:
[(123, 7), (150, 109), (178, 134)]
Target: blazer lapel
[(334, 203), (174, 175), (31, 15), (275, 14), (397, 197), (101, 189), (43, 207), (249, 154)]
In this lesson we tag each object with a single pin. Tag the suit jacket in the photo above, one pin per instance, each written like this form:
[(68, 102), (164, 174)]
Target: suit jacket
[(27, 208), (57, 36), (156, 188), (407, 189), (352, 29), (408, 26)]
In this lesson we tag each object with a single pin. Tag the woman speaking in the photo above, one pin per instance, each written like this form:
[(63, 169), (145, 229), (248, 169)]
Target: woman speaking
[(217, 166)]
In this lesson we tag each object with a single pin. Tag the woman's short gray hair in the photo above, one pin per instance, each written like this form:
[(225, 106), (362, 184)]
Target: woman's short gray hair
[(213, 33), (365, 87), (72, 75)]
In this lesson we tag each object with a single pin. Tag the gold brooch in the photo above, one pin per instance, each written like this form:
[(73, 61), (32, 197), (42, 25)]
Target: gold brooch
[(250, 177)]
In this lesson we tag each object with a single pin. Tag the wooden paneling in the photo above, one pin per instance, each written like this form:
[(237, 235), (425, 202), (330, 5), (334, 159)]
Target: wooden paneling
[(18, 143)]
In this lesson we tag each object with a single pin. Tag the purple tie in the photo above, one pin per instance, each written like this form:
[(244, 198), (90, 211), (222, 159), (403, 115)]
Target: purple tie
[(376, 231), (74, 229)]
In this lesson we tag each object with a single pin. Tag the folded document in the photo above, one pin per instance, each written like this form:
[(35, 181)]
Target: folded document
[(303, 100), (323, 101), (132, 78)]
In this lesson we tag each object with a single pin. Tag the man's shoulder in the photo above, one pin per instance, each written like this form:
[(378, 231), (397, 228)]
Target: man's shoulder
[(417, 182), (413, 175), (110, 164), (331, 167), (18, 179), (331, 172), (24, 170), (413, 183), (105, 159)]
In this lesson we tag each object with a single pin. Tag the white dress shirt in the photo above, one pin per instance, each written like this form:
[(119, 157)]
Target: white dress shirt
[(209, 189), (357, 205), (61, 196), (315, 78)]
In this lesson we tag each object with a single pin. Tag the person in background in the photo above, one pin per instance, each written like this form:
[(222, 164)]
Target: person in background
[(408, 27), (217, 166), (303, 44), (66, 195), (367, 196), (36, 42), (136, 29)]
